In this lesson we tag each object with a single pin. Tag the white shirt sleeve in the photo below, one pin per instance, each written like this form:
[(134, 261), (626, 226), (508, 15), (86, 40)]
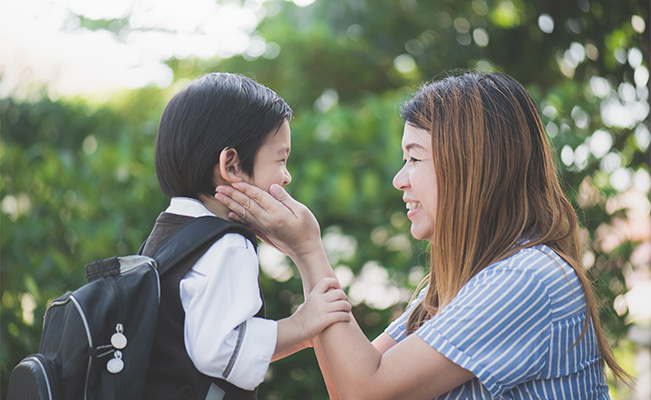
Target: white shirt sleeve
[(220, 296)]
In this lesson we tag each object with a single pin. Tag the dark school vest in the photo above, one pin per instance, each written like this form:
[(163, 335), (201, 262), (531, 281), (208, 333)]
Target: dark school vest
[(171, 374)]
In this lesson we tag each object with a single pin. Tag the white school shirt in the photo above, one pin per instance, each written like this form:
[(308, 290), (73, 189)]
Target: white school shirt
[(220, 296), (513, 325)]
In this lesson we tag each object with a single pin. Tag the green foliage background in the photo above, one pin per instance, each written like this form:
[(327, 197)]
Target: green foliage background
[(78, 180)]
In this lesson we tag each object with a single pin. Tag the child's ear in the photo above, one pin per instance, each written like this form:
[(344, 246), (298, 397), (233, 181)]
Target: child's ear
[(229, 166)]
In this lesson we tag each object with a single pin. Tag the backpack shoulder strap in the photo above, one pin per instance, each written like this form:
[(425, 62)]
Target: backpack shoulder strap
[(194, 235)]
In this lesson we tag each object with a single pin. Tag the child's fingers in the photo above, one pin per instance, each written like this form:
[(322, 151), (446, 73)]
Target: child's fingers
[(326, 284), (338, 317), (334, 296), (340, 305)]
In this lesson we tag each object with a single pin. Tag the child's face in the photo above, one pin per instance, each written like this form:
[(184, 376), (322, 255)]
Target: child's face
[(270, 165)]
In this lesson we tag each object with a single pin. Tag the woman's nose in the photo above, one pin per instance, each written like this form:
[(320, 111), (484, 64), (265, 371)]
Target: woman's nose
[(400, 180)]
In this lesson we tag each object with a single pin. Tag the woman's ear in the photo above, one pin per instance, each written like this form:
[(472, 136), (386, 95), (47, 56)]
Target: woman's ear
[(229, 166)]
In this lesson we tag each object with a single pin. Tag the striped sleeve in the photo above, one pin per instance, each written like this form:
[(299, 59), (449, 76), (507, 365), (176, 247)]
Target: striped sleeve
[(398, 327), (498, 327)]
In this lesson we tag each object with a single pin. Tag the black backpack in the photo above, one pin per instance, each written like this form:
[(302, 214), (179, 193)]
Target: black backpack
[(97, 340)]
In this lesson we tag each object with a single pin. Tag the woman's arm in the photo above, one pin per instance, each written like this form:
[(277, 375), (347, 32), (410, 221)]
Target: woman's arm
[(383, 343), (321, 359), (410, 369)]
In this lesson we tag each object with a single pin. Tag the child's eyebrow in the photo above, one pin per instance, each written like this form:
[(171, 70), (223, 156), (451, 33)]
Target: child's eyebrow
[(284, 150)]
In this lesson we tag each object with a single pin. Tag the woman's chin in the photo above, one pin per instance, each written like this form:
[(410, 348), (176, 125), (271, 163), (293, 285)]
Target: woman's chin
[(422, 230), (418, 234)]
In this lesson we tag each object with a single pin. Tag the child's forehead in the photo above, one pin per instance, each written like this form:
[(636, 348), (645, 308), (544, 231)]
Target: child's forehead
[(280, 139)]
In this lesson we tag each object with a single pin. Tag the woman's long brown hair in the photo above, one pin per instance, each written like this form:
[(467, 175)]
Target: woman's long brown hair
[(496, 184)]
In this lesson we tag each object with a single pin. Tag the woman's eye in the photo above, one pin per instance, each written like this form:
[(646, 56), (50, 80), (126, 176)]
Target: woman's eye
[(411, 160)]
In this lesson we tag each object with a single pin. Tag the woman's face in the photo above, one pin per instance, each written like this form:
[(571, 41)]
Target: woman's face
[(417, 181)]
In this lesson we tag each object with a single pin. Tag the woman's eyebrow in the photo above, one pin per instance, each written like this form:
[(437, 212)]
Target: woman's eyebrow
[(414, 145)]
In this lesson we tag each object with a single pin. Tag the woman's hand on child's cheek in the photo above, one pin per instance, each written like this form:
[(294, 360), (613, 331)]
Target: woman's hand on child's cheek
[(279, 220), (325, 305)]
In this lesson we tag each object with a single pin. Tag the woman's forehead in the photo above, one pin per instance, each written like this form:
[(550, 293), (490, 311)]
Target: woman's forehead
[(414, 137)]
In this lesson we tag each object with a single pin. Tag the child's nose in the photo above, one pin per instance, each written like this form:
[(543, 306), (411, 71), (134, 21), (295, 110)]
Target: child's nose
[(288, 178)]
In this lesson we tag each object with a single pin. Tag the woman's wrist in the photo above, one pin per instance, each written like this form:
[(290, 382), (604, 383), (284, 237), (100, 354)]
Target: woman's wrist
[(309, 254), (313, 266)]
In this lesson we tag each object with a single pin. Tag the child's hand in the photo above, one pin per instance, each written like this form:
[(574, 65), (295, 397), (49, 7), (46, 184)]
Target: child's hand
[(324, 305)]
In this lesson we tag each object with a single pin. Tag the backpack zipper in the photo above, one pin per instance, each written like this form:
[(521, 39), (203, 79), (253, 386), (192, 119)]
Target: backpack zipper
[(90, 341), (120, 319)]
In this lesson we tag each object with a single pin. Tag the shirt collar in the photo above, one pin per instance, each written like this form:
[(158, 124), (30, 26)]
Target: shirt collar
[(188, 207)]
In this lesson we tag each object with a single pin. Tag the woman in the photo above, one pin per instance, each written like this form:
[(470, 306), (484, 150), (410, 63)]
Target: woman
[(507, 310)]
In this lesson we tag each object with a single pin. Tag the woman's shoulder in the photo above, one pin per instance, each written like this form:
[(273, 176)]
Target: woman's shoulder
[(525, 272), (535, 265), (538, 259), (549, 269)]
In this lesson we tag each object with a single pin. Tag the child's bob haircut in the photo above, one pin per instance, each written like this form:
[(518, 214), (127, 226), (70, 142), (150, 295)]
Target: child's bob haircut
[(214, 112)]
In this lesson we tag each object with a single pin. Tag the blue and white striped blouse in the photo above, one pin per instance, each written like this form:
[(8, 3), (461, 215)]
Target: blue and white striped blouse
[(513, 326)]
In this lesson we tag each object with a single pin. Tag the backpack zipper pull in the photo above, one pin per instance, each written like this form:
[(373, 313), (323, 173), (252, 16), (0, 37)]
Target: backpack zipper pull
[(118, 340), (115, 364)]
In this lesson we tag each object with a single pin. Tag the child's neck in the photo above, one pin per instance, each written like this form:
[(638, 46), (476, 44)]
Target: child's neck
[(214, 206)]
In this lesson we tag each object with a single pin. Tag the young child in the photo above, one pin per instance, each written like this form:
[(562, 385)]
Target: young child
[(212, 340)]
